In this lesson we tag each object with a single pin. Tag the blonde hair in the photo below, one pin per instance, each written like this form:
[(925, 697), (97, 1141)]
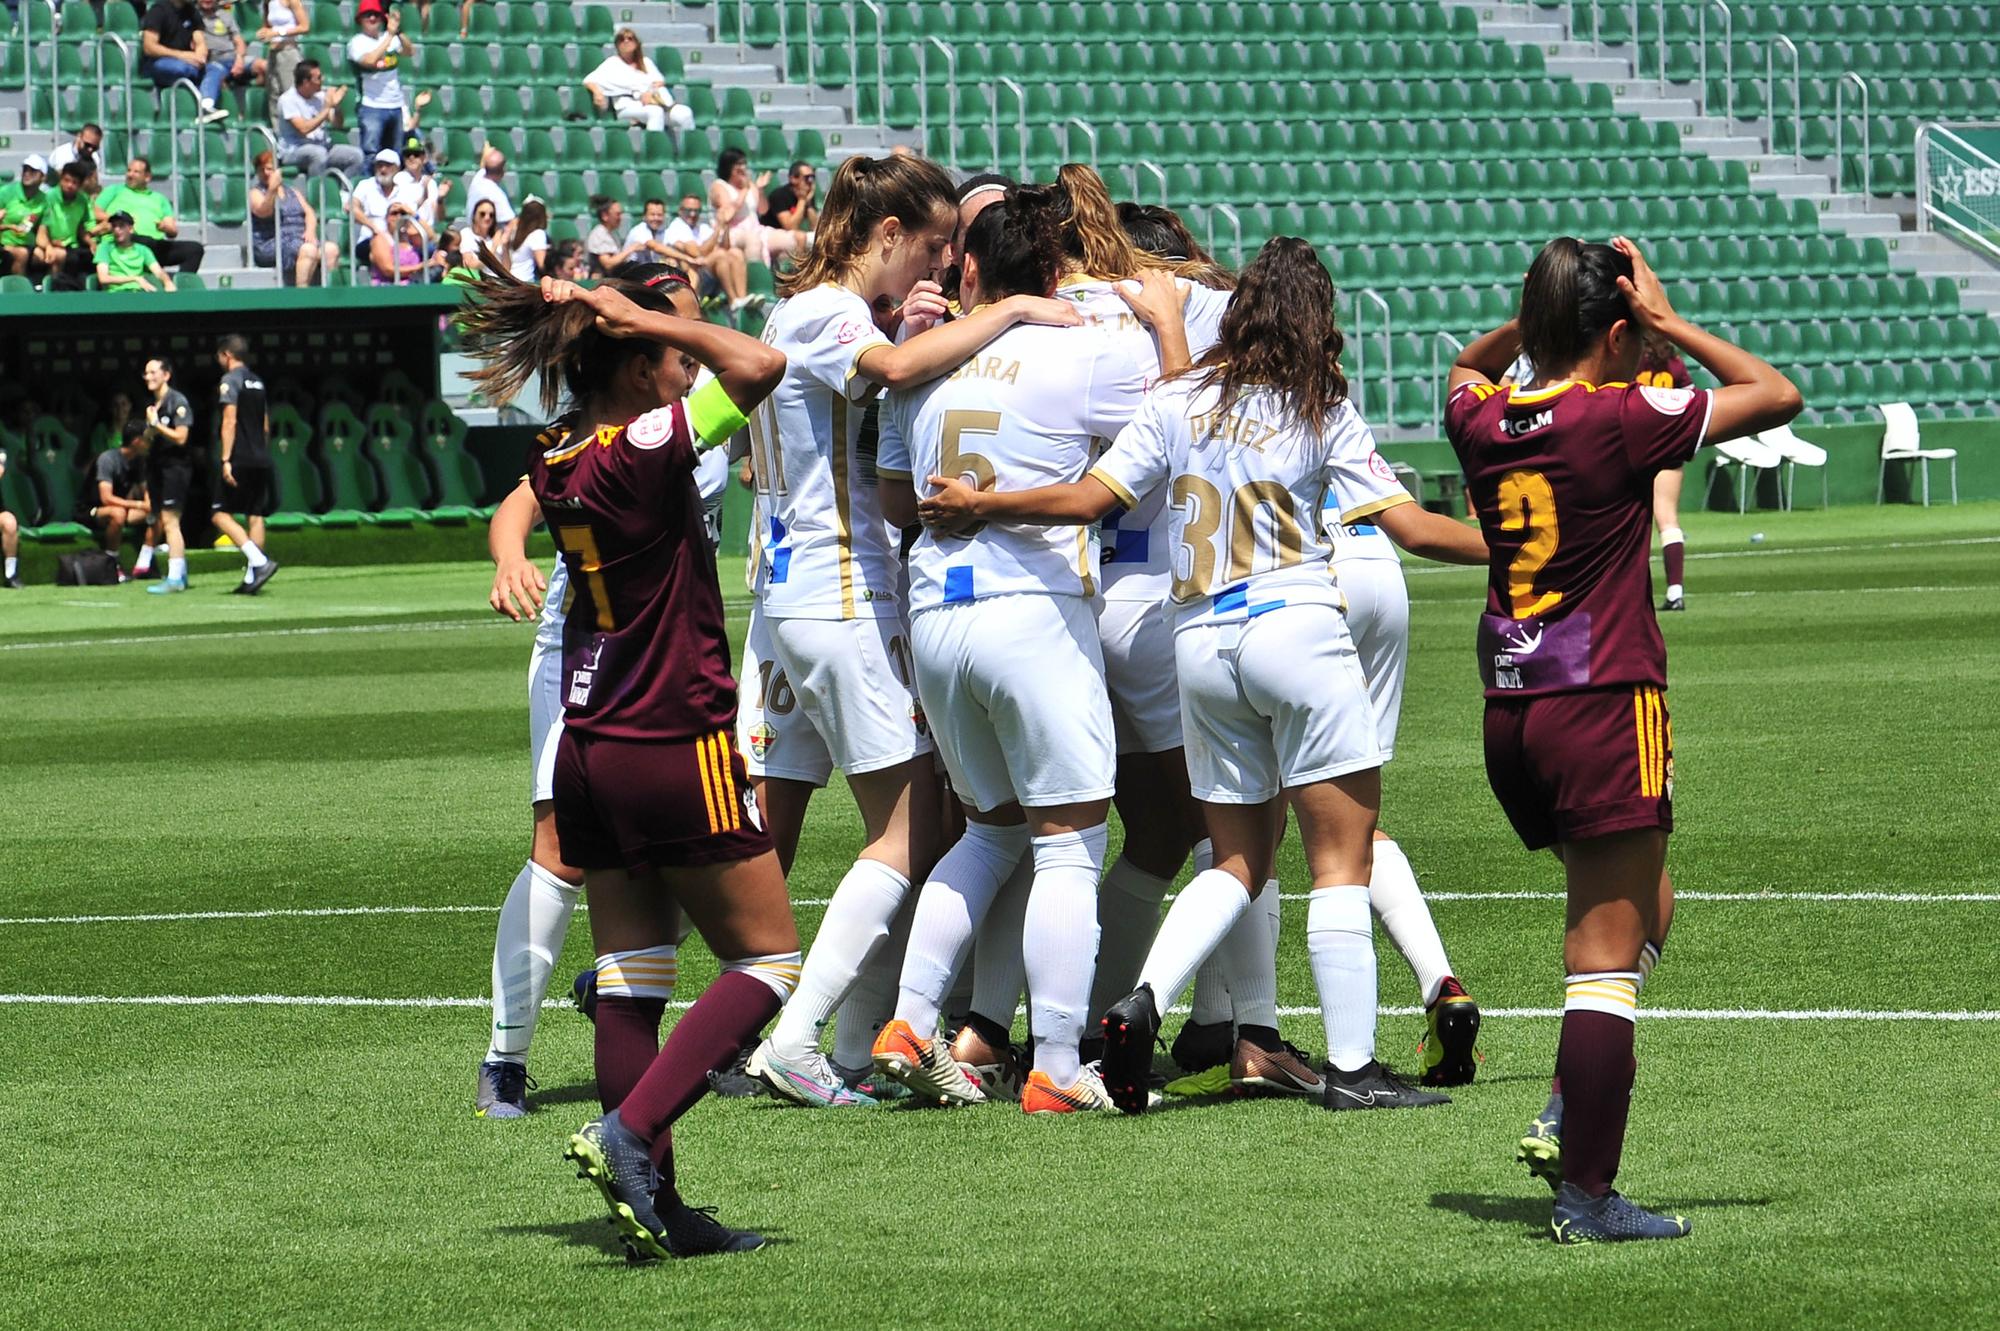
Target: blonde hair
[(866, 191), (1094, 241)]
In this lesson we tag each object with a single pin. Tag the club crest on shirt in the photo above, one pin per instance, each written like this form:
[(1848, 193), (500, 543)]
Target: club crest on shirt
[(1380, 466), (652, 429), (918, 719), (1668, 401), (762, 737), (849, 331)]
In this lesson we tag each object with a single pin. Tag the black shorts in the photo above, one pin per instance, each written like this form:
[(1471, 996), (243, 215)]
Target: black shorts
[(627, 804), (250, 496), (174, 479)]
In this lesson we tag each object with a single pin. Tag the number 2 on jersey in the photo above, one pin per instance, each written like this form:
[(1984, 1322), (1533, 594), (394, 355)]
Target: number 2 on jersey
[(1528, 503), (584, 542)]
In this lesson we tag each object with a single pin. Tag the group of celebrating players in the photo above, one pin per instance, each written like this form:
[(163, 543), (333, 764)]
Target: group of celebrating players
[(1089, 521)]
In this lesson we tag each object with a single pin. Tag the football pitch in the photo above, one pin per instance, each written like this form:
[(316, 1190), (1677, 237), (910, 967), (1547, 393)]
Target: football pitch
[(254, 849)]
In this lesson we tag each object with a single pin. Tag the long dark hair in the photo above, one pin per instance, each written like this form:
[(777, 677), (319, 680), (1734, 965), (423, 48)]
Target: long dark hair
[(1569, 299), (1162, 234), (1280, 332), (521, 338), (1017, 245), (865, 192)]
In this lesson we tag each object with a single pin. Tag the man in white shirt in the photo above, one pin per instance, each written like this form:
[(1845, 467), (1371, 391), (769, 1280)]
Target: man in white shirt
[(486, 186), (304, 117), (723, 268), (369, 207), (376, 51), (422, 190), (84, 148)]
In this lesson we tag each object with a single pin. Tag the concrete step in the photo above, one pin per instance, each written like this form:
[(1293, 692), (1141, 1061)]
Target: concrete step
[(1654, 107), (1527, 34), (1588, 68), (1787, 185), (1505, 11), (712, 63), (654, 33), (1719, 147), (1944, 265), (1862, 224)]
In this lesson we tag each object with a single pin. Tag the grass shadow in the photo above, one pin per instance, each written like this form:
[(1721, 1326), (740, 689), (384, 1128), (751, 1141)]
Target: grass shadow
[(1532, 1213), (576, 1093), (595, 1232)]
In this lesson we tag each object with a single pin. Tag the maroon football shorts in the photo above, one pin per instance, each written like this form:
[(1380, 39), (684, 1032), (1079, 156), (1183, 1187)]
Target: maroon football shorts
[(627, 804), (1570, 766)]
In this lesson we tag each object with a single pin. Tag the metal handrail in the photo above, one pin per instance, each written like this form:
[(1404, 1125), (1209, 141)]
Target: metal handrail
[(28, 67), (742, 41), (277, 207), (1771, 88), (1236, 221), (125, 48), (1020, 122), (1158, 174), (1728, 57), (347, 223), (951, 96), (1361, 353), (1840, 136), (1436, 380), (785, 41), (881, 77), (812, 45), (1660, 34), (1925, 212), (1089, 133), (200, 144)]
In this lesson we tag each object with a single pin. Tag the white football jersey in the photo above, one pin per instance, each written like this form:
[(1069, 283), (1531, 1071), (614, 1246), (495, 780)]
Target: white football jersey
[(1135, 544), (822, 549), (555, 608), (1350, 513), (1025, 411), (1244, 491)]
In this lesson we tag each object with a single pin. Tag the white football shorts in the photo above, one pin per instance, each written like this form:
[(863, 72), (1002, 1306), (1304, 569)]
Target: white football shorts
[(824, 693), (545, 716), (1014, 687), (1138, 645), (1274, 702), (1378, 619)]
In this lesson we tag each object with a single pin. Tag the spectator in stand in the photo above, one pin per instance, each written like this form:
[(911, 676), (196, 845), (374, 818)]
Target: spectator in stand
[(420, 186), (721, 268), (21, 214), (286, 23), (488, 185), (158, 229), (630, 86), (226, 46), (117, 495), (284, 228), (63, 241), (793, 205), (649, 235), (604, 245), (410, 244), (482, 231), (10, 540), (528, 252), (89, 142), (447, 259), (304, 116), (122, 262), (368, 205), (738, 199), (172, 49), (567, 261), (377, 50)]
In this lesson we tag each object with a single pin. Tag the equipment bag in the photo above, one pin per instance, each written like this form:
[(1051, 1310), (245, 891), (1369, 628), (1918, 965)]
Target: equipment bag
[(87, 568)]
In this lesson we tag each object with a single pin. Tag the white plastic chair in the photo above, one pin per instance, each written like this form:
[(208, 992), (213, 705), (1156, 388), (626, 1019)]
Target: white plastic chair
[(1747, 454), (1901, 442), (1796, 453)]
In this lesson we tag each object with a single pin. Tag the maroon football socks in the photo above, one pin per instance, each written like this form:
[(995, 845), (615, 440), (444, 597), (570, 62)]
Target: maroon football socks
[(628, 1040), (1594, 1071), (722, 1021)]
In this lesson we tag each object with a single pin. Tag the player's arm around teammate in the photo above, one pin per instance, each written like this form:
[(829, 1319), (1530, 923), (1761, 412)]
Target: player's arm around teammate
[(1579, 749)]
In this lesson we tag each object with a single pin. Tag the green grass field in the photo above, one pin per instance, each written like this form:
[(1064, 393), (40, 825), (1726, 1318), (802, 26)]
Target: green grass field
[(356, 738)]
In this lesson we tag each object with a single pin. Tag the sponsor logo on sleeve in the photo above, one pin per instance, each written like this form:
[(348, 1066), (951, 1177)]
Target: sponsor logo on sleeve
[(1668, 401), (850, 330), (1380, 466), (652, 429)]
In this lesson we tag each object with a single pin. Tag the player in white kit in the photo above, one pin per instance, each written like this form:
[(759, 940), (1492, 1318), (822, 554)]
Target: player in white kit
[(1008, 662), (1273, 699), (833, 685)]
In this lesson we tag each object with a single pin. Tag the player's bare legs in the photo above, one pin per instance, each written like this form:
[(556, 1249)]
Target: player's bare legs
[(783, 803), (10, 549), (176, 579), (1673, 544)]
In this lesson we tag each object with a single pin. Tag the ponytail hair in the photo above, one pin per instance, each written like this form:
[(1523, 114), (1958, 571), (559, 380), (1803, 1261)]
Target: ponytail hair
[(1017, 244), (1162, 234), (1092, 240), (1280, 332), (1568, 301), (865, 192), (520, 338)]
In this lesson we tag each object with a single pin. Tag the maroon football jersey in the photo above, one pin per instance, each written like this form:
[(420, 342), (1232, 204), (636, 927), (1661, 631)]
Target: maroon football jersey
[(645, 655), (1672, 372), (1562, 478)]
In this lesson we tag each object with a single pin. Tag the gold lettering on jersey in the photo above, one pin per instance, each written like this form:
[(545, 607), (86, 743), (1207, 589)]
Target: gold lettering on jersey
[(1236, 429), (993, 368)]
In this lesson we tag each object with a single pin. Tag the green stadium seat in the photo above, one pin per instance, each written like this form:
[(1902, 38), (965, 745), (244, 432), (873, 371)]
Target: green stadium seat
[(455, 479), (297, 480), (352, 488), (389, 440)]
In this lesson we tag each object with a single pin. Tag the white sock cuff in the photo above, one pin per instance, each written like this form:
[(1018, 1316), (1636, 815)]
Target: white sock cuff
[(1672, 536), (648, 972), (779, 970), (886, 874), (1204, 855), (1082, 849), (1339, 908), (1001, 843), (1130, 881), (544, 878), (1649, 957), (1388, 849), (1615, 993)]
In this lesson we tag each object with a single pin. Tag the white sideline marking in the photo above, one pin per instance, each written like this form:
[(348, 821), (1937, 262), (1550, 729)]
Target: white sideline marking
[(1782, 550), (355, 1001), (325, 912), (410, 626)]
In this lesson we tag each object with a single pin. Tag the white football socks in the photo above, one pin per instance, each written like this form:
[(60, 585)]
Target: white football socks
[(1059, 944), (1399, 904), (533, 921), (1248, 962), (856, 922), (1341, 944), (998, 969), (1128, 915), (1205, 911), (142, 564), (949, 909), (872, 1000), (254, 557), (177, 569)]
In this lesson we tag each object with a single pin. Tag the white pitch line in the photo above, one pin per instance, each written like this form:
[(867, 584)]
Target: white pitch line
[(329, 912), (1761, 553), (356, 1001), (409, 626)]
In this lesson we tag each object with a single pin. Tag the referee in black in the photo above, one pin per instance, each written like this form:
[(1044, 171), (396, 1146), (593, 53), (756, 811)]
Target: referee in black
[(246, 462)]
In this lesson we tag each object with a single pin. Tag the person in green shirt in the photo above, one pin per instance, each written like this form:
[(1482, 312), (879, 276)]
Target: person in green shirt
[(63, 240), (21, 214), (123, 262), (152, 217)]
